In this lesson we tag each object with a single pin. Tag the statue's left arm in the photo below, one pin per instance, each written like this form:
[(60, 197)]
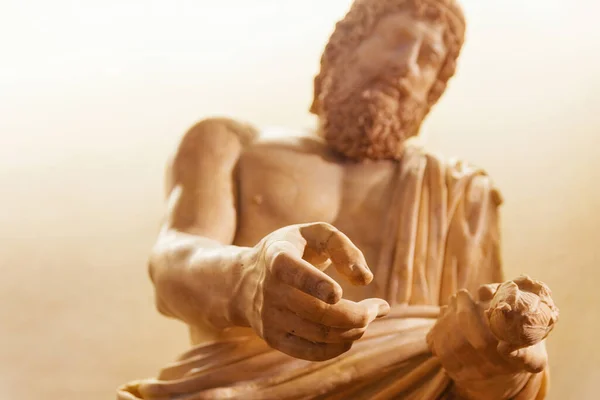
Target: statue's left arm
[(486, 337)]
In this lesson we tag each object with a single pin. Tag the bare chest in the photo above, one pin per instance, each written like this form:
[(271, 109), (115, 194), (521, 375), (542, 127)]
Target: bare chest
[(285, 186)]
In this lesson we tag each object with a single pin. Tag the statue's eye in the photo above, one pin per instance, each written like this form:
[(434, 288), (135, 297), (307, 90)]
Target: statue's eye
[(428, 54), (400, 36)]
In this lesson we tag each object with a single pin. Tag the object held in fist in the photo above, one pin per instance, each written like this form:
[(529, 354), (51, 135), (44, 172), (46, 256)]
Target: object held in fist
[(502, 329), (492, 343), (521, 314)]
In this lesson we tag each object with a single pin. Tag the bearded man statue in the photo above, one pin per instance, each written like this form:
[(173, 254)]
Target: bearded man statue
[(352, 264)]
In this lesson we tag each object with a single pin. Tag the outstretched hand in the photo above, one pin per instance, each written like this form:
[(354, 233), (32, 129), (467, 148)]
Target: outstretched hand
[(297, 308)]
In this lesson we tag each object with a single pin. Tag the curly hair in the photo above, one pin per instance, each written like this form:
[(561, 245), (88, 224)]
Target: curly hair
[(362, 18)]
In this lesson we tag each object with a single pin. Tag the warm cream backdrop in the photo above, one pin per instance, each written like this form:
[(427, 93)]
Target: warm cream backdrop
[(93, 97)]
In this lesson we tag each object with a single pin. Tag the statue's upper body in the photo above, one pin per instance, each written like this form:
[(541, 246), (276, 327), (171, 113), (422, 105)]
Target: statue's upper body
[(253, 225), (232, 189)]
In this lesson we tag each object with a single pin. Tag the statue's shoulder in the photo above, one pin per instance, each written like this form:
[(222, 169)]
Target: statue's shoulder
[(459, 174), (289, 145), (214, 133)]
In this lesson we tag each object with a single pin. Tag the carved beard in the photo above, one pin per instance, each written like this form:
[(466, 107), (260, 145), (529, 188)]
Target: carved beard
[(371, 122)]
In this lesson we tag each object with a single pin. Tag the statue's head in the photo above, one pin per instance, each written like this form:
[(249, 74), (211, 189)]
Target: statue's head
[(385, 65)]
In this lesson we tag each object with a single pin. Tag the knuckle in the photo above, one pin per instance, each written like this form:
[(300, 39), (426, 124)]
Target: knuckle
[(271, 258), (277, 255), (320, 311), (281, 263), (326, 226)]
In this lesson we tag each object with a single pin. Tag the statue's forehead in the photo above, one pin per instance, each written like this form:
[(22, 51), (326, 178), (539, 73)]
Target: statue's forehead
[(406, 21)]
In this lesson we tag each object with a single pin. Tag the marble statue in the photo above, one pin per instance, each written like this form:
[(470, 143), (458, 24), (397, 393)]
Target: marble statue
[(352, 264)]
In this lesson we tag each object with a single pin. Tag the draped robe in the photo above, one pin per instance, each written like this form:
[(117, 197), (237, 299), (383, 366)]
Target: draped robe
[(442, 235)]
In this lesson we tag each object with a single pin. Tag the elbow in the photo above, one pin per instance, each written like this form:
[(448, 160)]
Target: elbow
[(167, 268), (162, 308), (157, 276), (156, 263)]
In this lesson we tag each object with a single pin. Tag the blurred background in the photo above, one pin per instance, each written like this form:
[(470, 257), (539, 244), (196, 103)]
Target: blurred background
[(94, 95)]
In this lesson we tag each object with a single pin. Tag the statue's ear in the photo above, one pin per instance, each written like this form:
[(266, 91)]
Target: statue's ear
[(314, 107)]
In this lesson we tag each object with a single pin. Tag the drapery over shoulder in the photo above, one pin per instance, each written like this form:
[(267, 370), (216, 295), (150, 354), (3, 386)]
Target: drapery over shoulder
[(442, 235)]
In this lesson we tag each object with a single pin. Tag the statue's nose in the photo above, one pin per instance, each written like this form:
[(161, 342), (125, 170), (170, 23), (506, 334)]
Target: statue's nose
[(404, 61)]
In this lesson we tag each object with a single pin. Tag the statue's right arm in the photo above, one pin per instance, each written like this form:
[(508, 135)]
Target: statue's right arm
[(193, 265), (203, 279)]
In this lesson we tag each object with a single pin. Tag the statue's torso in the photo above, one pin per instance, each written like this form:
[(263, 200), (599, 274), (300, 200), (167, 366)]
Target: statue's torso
[(298, 180)]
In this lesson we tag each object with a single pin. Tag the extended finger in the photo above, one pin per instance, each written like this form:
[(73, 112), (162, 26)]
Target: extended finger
[(303, 276), (345, 256), (343, 314), (300, 327), (304, 349)]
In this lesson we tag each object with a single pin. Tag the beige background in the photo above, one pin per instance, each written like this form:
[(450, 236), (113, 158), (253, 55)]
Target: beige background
[(93, 98)]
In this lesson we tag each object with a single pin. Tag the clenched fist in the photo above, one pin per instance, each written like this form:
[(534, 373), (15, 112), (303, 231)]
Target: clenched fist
[(490, 344), (293, 305)]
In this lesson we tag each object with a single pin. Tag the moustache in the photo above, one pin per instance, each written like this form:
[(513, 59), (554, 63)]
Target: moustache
[(394, 84), (397, 88)]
